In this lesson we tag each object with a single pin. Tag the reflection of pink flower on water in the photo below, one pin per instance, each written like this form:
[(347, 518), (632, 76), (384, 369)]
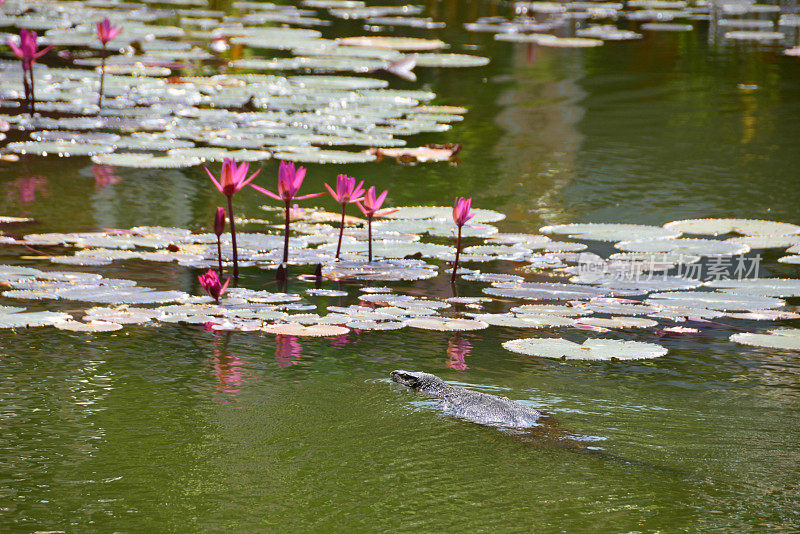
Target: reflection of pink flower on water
[(287, 350), (25, 189), (339, 341), (228, 369), (458, 350), (104, 176)]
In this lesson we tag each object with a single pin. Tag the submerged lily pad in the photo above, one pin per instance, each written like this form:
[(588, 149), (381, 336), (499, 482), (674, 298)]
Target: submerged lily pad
[(591, 349)]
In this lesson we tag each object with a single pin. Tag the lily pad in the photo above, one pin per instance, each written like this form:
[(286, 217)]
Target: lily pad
[(523, 321), (444, 212), (693, 247), (297, 329), (58, 148), (146, 161), (610, 231), (375, 325), (445, 325), (619, 322), (758, 242), (591, 349), (405, 44), (451, 60), (325, 156), (768, 287), (781, 338), (551, 309), (92, 326), (714, 301), (544, 291), (725, 226)]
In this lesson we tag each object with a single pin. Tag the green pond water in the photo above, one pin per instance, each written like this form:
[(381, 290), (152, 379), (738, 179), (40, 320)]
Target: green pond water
[(176, 429)]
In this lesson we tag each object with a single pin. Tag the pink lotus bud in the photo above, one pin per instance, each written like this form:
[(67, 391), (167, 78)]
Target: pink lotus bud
[(219, 221), (461, 213)]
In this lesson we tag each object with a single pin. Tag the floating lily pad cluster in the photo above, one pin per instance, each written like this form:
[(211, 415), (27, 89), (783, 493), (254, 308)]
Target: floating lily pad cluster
[(164, 108), (533, 288), (590, 24)]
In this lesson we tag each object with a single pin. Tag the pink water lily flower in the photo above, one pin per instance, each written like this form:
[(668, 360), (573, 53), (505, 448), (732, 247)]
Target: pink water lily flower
[(289, 181), (369, 206), (107, 31), (27, 52), (232, 180), (27, 48), (346, 192), (211, 283), (346, 189), (461, 215)]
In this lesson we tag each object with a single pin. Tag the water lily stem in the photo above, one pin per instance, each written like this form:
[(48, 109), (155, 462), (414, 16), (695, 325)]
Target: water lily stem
[(27, 88), (369, 239), (286, 236), (33, 94), (458, 251), (233, 241), (219, 254), (341, 233), (102, 79)]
